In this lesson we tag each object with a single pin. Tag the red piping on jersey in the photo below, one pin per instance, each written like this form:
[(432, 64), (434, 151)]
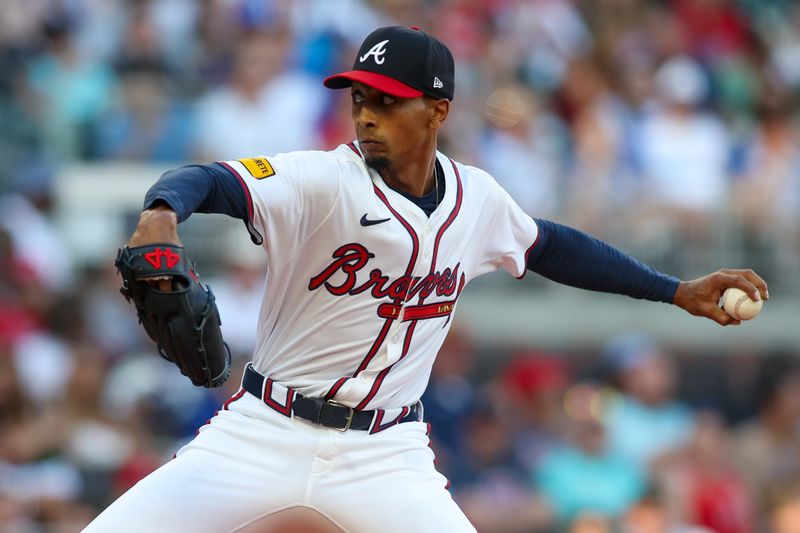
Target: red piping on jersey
[(336, 386), (527, 253), (435, 460), (409, 229), (453, 214), (376, 425), (398, 301), (285, 410), (245, 188), (255, 235), (410, 332), (374, 348), (233, 399), (352, 146), (197, 431), (376, 385)]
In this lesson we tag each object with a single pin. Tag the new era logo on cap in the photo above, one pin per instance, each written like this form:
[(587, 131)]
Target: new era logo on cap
[(402, 62)]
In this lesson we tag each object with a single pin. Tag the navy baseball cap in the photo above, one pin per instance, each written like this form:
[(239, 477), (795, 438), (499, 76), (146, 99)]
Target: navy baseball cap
[(403, 62)]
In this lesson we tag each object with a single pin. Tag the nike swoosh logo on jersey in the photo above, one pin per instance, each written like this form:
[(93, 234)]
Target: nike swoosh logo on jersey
[(367, 222)]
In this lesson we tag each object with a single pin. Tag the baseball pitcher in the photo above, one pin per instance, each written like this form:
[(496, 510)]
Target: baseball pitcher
[(369, 247)]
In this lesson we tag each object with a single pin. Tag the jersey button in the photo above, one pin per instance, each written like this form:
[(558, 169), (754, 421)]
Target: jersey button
[(364, 378)]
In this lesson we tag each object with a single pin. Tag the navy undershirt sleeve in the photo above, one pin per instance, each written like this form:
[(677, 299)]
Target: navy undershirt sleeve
[(199, 189), (573, 258)]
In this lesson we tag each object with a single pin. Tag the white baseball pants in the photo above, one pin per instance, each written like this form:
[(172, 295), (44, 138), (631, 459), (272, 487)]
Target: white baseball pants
[(251, 461)]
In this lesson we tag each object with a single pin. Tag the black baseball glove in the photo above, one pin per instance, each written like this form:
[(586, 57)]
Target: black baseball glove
[(184, 321)]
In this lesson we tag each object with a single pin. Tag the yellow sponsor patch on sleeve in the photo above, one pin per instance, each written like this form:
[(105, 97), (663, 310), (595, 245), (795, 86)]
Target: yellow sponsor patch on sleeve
[(258, 167)]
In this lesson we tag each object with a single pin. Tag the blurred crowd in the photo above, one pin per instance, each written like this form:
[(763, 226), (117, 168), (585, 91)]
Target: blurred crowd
[(668, 127), (631, 438)]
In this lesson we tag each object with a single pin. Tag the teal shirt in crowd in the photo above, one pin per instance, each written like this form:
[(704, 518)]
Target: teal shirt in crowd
[(643, 432), (575, 482)]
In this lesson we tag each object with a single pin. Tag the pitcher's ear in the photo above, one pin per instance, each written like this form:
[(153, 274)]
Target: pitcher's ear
[(439, 110)]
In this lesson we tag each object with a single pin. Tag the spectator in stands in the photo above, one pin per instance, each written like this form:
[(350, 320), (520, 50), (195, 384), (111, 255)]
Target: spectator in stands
[(520, 149), (651, 515), (646, 422), (72, 93), (141, 47), (548, 35), (715, 29), (784, 513), (489, 483), (586, 476), (702, 483), (267, 106), (533, 386), (35, 236), (110, 324), (599, 181), (591, 523), (238, 291), (779, 26), (44, 358), (771, 177), (147, 124), (768, 448), (21, 295), (450, 397), (684, 156), (36, 482), (19, 144), (94, 441), (14, 405)]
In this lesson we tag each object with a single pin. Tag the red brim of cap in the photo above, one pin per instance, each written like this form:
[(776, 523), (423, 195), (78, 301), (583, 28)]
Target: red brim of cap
[(378, 81)]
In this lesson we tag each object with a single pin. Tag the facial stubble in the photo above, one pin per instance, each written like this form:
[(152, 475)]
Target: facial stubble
[(377, 162)]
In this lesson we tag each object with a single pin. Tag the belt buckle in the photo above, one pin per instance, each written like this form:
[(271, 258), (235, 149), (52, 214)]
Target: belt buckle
[(350, 416)]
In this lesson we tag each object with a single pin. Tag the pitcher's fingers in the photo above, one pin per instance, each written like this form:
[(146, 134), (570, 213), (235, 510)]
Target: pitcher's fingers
[(756, 280), (741, 282), (759, 282), (718, 315)]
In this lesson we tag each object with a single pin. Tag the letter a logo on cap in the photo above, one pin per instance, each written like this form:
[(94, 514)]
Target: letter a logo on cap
[(377, 52)]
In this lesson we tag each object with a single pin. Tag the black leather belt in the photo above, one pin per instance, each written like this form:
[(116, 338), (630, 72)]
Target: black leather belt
[(324, 412)]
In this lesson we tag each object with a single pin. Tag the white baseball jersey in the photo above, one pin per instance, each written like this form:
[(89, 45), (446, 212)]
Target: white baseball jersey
[(361, 288), (361, 284)]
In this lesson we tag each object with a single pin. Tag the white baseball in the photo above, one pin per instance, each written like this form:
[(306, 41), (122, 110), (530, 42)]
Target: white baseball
[(738, 304)]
